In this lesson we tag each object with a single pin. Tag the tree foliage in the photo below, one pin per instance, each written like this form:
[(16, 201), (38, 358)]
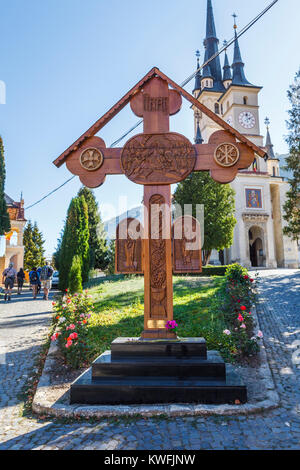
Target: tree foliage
[(75, 241), (75, 276), (97, 241), (33, 246), (4, 217), (219, 208), (292, 204)]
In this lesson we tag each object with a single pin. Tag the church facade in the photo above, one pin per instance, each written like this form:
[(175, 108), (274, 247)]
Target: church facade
[(260, 190), (11, 245)]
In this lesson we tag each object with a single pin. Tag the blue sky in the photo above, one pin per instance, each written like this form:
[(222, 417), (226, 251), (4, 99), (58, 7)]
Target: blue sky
[(65, 62)]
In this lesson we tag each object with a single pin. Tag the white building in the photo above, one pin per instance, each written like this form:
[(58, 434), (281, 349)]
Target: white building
[(260, 190)]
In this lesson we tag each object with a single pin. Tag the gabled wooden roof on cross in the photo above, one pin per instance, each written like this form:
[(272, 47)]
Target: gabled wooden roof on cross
[(136, 89)]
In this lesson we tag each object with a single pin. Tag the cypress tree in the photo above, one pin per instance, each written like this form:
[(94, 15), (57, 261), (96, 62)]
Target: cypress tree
[(75, 241), (292, 204), (75, 276), (34, 246), (4, 217), (98, 245)]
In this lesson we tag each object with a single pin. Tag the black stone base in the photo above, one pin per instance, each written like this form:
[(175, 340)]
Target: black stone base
[(146, 372)]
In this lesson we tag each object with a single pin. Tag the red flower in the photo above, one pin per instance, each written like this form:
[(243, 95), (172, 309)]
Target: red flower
[(243, 307), (251, 280), (240, 318), (246, 277)]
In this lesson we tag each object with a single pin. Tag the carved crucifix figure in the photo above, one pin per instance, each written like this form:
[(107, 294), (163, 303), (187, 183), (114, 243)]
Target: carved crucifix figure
[(156, 159)]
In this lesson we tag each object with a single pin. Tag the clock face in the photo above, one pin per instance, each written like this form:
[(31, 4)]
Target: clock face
[(229, 120), (247, 120)]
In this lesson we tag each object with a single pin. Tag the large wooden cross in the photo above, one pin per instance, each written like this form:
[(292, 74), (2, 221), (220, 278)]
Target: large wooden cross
[(156, 159)]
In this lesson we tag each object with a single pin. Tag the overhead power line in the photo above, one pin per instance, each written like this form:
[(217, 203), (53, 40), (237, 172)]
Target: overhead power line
[(183, 84)]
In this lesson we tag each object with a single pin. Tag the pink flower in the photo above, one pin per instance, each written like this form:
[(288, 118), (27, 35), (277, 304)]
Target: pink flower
[(227, 332), (82, 315), (171, 325), (260, 334), (71, 327), (69, 343), (243, 326), (240, 318), (73, 336)]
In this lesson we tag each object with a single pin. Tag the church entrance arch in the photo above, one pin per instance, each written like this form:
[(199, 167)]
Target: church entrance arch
[(256, 247)]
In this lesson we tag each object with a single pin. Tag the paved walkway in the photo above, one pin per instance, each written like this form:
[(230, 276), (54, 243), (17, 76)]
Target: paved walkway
[(23, 325)]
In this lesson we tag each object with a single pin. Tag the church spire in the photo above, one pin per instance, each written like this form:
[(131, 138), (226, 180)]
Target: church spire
[(211, 47), (238, 77), (198, 74), (269, 146), (227, 69), (198, 139)]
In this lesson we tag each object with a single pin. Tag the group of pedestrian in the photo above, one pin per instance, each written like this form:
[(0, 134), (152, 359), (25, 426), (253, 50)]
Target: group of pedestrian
[(38, 278)]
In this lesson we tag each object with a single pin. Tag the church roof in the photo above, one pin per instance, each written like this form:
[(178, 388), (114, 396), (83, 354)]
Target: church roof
[(238, 75), (9, 201), (211, 43), (198, 74), (227, 69), (199, 139), (269, 146)]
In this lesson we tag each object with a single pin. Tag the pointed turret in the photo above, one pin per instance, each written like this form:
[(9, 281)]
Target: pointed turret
[(211, 47), (198, 139), (198, 74), (269, 146), (238, 76), (227, 77)]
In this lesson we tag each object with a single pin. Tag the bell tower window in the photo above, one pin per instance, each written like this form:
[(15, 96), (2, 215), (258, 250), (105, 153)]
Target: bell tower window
[(217, 108), (245, 99)]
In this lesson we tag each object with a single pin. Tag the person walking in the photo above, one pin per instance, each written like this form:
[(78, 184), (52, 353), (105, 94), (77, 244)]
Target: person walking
[(8, 279), (20, 279), (46, 279), (34, 281)]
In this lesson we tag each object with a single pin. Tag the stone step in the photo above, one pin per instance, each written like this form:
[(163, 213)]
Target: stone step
[(184, 347), (141, 366), (154, 390)]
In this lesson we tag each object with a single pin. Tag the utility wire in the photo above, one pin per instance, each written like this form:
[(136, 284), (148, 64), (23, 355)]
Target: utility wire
[(183, 84), (49, 194)]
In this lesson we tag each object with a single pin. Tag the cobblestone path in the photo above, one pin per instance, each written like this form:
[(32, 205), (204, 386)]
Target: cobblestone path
[(23, 325)]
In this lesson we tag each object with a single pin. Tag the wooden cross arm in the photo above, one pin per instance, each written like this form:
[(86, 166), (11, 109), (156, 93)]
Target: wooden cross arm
[(208, 154), (92, 161)]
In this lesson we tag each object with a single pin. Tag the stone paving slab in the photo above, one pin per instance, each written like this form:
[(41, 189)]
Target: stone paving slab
[(26, 326)]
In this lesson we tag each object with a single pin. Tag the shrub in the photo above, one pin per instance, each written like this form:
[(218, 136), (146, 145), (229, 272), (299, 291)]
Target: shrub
[(239, 297), (72, 314), (75, 278)]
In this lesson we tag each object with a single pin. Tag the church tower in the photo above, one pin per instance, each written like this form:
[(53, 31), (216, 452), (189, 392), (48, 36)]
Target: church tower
[(260, 191)]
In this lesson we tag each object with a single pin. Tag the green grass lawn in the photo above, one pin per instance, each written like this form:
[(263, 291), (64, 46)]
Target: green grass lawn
[(119, 311)]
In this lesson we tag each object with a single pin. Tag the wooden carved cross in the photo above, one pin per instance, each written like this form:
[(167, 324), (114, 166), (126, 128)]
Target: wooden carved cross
[(156, 159)]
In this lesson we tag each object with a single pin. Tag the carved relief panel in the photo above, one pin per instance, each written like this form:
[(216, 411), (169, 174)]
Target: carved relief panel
[(187, 256), (158, 275), (129, 247)]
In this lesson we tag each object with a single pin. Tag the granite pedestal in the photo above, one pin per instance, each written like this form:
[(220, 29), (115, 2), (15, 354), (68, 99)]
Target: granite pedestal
[(138, 371)]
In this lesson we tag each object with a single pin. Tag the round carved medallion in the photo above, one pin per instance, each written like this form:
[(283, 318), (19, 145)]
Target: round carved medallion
[(227, 155), (158, 158), (91, 159)]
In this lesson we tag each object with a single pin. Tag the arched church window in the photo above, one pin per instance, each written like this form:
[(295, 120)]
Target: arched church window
[(274, 171), (245, 99), (217, 108), (207, 83), (222, 109)]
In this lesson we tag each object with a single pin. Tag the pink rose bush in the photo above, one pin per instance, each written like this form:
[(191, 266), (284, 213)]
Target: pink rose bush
[(240, 295), (71, 315)]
